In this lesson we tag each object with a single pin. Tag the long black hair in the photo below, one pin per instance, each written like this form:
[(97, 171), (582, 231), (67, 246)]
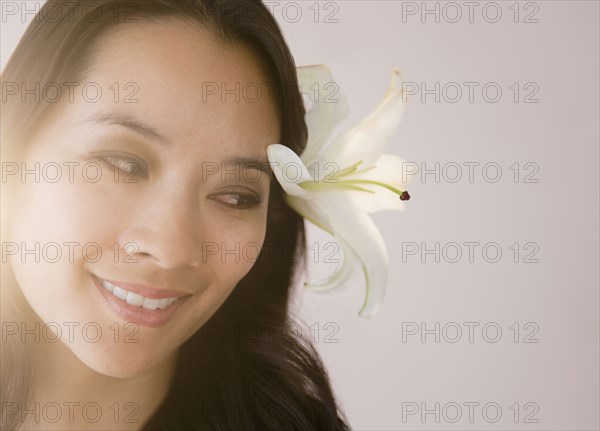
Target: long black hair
[(243, 369)]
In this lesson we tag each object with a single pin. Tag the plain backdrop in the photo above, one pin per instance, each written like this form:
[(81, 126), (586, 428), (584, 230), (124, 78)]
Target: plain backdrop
[(487, 341)]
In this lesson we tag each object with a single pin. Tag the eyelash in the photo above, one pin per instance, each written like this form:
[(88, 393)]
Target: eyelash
[(251, 201), (119, 163)]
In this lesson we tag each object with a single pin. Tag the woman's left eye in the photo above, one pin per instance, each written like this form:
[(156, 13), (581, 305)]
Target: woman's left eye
[(239, 200)]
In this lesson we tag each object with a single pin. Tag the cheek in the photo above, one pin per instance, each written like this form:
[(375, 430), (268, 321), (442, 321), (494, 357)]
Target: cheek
[(233, 246), (53, 237), (59, 218)]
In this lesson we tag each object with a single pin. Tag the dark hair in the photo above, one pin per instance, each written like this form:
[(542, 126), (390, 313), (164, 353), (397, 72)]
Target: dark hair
[(243, 369)]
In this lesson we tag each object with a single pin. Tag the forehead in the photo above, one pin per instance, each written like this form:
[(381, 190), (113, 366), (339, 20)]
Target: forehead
[(179, 78)]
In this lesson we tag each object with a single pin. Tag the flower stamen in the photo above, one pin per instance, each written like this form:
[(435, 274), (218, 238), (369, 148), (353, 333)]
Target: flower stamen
[(347, 171), (379, 183)]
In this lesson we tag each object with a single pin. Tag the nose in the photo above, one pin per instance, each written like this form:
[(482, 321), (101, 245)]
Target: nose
[(165, 230)]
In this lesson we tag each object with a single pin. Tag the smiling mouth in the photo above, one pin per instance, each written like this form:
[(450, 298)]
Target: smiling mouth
[(136, 299), (141, 304)]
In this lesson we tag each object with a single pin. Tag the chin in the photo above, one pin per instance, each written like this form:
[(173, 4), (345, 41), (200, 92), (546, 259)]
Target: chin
[(117, 360)]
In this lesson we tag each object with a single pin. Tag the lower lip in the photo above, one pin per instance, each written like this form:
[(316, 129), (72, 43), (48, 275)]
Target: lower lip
[(139, 315)]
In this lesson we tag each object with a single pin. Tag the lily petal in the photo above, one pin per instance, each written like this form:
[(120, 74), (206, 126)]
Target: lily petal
[(329, 107), (367, 140), (359, 232), (281, 158), (337, 279), (310, 210)]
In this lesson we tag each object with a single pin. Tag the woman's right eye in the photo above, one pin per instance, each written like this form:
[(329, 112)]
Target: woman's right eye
[(129, 168)]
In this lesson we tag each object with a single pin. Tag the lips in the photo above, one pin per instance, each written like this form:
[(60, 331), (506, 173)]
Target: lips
[(141, 304)]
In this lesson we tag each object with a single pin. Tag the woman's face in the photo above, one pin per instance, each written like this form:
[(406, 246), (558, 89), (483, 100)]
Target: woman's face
[(172, 215)]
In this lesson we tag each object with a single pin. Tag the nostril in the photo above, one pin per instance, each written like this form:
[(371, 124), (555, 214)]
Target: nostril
[(128, 252)]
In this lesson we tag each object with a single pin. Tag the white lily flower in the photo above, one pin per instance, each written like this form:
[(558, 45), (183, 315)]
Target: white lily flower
[(338, 186)]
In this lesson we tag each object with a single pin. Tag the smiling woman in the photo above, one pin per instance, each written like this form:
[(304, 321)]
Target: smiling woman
[(122, 272)]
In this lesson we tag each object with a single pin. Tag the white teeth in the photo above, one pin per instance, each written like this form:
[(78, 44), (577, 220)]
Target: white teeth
[(120, 293), (150, 304), (108, 286), (136, 299)]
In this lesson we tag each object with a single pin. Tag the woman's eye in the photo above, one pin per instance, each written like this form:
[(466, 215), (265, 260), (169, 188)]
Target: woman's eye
[(129, 168), (239, 200)]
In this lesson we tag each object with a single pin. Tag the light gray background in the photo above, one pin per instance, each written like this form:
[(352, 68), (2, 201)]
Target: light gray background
[(375, 373)]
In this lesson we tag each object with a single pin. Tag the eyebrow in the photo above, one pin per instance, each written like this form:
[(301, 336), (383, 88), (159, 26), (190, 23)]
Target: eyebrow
[(129, 121), (132, 123), (259, 164)]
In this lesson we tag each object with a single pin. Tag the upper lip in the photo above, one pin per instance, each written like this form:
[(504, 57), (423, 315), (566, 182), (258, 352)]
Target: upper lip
[(147, 291)]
